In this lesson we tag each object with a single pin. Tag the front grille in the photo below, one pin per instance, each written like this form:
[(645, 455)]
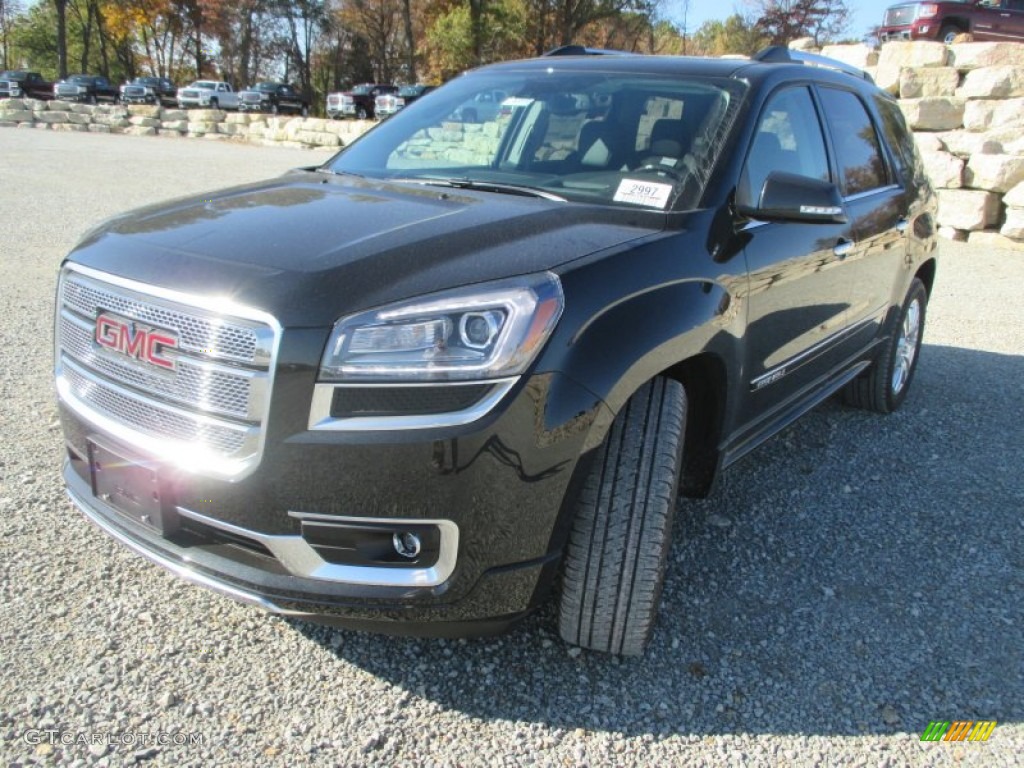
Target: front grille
[(67, 90), (253, 97), (214, 399), (900, 15), (190, 94), (134, 90)]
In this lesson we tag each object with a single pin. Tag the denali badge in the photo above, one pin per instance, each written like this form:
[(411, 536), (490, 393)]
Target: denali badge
[(138, 341)]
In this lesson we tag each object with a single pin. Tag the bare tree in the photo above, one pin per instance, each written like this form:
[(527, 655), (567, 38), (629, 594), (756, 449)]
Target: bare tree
[(783, 21), (62, 37)]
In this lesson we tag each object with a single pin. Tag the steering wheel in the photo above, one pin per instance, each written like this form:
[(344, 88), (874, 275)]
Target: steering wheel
[(666, 170)]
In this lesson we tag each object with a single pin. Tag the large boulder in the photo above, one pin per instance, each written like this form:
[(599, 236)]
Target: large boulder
[(95, 128), (144, 110), (141, 130), (996, 173), (968, 209), (144, 121), (856, 55), (1013, 227), (53, 117), (206, 115), (965, 143), (967, 56), (943, 169), (928, 82), (933, 114), (929, 142), (70, 127), (897, 56), (985, 114), (1015, 197), (167, 115), (1003, 82)]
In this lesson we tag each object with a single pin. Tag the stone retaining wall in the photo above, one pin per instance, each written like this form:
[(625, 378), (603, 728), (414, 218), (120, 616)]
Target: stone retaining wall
[(208, 124), (964, 102)]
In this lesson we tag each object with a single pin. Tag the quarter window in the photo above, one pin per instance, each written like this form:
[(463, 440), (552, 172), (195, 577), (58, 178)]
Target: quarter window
[(788, 139), (858, 153)]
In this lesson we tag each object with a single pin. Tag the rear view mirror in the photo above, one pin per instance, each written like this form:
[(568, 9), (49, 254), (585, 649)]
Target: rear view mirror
[(789, 197)]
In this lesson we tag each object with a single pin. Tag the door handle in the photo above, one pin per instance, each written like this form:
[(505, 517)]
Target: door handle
[(843, 249), (901, 225)]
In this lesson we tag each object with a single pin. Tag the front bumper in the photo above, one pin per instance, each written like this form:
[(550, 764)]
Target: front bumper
[(501, 483), (924, 29)]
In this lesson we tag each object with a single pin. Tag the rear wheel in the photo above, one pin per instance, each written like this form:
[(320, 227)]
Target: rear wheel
[(883, 387), (615, 564)]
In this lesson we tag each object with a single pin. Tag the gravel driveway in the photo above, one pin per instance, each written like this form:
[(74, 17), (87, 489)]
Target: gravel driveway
[(855, 579)]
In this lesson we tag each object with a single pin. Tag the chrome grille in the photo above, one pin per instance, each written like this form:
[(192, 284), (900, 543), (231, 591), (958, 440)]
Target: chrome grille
[(196, 333), (900, 15), (134, 90), (204, 385), (161, 422), (212, 403), (70, 90)]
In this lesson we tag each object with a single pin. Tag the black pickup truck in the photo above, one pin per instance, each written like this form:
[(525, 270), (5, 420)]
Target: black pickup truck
[(504, 352), (91, 89), (19, 84), (274, 98)]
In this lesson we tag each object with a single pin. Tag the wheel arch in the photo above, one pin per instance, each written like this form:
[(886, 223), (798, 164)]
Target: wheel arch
[(926, 274)]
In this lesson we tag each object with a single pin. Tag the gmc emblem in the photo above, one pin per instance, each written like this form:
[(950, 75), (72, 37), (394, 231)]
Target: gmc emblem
[(135, 340)]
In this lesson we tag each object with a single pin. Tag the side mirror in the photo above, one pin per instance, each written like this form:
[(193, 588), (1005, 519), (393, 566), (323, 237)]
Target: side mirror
[(789, 197)]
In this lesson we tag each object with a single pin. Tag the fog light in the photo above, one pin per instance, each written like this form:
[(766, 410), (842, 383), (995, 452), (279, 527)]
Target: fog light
[(407, 544)]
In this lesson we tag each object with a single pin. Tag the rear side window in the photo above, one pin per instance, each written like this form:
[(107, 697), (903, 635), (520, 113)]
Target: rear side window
[(898, 136), (788, 139), (858, 153)]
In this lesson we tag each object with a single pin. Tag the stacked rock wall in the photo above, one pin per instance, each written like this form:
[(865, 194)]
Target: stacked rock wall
[(209, 124), (965, 104)]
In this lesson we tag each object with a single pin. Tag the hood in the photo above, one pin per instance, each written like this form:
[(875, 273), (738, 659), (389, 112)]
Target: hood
[(310, 247)]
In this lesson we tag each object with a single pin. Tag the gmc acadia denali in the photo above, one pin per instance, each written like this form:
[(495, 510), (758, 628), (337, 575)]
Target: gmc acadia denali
[(500, 348)]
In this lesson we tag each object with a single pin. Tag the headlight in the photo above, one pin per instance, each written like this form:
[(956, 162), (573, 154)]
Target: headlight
[(477, 332), (927, 10)]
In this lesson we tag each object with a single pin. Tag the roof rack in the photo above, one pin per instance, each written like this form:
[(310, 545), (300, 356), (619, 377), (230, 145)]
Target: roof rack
[(780, 53), (580, 50)]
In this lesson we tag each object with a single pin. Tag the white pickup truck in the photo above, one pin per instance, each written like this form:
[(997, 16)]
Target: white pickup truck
[(207, 94)]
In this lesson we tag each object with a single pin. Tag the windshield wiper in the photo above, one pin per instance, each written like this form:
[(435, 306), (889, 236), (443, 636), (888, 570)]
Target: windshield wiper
[(485, 186)]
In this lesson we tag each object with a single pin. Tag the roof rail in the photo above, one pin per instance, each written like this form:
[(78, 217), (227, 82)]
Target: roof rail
[(580, 50), (780, 53)]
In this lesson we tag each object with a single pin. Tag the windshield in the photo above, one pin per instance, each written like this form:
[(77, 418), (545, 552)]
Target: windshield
[(620, 139), (13, 76), (145, 81), (207, 84), (86, 79), (362, 90), (266, 87), (410, 90)]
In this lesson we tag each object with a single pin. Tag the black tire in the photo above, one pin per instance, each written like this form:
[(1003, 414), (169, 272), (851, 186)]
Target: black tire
[(615, 564), (304, 111), (948, 32), (879, 389), (214, 103), (92, 98), (274, 109)]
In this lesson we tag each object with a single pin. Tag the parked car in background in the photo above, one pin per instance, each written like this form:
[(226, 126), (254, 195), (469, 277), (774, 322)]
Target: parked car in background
[(985, 20), (387, 104), (90, 89), (273, 98), (359, 103), (149, 90), (19, 84), (207, 94)]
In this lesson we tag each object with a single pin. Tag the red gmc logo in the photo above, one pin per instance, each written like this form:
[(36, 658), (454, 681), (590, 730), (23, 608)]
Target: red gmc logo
[(135, 340)]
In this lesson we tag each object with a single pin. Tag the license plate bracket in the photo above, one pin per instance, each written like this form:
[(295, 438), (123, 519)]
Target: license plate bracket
[(131, 486)]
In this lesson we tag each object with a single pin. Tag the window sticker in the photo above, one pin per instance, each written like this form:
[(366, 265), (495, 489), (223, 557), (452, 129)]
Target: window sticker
[(646, 193), (516, 101)]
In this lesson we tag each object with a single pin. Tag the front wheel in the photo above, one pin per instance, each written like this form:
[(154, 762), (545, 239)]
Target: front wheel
[(949, 33), (883, 387), (361, 114), (615, 564), (305, 111), (214, 104)]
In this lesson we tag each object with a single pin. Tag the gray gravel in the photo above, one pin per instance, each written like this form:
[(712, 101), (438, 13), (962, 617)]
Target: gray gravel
[(855, 579)]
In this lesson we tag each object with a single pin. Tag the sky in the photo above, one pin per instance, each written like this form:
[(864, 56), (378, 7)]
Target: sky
[(864, 14)]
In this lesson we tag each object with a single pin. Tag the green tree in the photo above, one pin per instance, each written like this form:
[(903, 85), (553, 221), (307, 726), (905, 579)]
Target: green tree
[(735, 35), (783, 21)]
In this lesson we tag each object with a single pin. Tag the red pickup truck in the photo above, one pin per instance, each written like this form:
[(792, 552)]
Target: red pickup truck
[(19, 84), (986, 20)]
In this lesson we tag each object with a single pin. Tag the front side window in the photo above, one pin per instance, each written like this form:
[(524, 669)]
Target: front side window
[(621, 139), (858, 153), (788, 139)]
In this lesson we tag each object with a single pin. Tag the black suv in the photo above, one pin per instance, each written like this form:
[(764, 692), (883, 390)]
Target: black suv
[(501, 347)]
